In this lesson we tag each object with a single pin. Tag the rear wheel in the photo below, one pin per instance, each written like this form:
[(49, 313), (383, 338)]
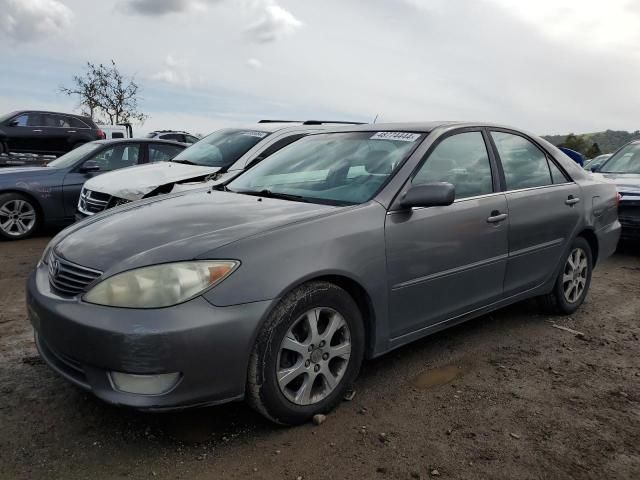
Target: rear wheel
[(307, 354), (573, 281), (19, 216)]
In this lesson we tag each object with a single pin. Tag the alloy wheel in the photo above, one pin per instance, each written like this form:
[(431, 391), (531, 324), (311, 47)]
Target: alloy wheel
[(313, 356), (574, 278), (17, 218)]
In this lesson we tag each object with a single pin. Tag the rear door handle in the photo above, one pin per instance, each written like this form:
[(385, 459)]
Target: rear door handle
[(71, 131), (36, 130), (497, 217), (571, 200)]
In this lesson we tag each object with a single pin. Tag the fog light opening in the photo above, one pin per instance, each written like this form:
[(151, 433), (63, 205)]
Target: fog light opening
[(144, 384)]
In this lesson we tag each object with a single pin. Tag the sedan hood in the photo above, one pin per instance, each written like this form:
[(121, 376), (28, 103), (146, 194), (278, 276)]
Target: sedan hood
[(176, 227), (22, 170), (133, 183), (625, 182)]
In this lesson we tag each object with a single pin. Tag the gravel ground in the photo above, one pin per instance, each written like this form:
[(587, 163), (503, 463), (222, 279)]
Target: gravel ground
[(505, 396)]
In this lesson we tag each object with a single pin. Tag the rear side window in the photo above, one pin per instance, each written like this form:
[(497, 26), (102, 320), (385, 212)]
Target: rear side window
[(117, 135), (461, 160), (77, 123), (524, 164), (118, 156), (161, 153), (173, 136)]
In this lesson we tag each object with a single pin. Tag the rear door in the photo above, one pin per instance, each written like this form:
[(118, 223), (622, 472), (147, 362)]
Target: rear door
[(56, 131), (112, 158), (446, 261), (544, 210)]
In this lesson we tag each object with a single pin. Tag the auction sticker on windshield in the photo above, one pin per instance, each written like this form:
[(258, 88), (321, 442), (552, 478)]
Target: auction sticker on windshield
[(254, 134), (398, 136)]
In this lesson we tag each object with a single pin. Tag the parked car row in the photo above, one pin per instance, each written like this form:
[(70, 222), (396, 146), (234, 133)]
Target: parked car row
[(266, 263)]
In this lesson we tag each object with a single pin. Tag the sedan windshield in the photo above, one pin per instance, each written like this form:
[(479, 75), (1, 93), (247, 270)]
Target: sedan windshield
[(627, 160), (333, 168), (221, 148), (69, 159)]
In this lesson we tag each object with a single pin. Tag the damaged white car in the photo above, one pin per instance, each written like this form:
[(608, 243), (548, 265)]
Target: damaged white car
[(226, 152)]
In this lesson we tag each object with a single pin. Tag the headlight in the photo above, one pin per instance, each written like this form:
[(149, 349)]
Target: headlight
[(161, 285)]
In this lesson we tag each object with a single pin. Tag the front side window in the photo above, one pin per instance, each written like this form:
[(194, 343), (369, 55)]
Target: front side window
[(524, 164), (221, 148), (161, 153), (117, 157), (461, 160), (332, 168), (22, 120), (626, 160)]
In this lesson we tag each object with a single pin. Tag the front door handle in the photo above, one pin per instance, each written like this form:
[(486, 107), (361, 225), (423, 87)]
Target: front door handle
[(571, 200), (36, 130), (71, 131), (497, 217)]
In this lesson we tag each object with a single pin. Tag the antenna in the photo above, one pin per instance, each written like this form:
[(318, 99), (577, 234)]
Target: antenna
[(376, 119)]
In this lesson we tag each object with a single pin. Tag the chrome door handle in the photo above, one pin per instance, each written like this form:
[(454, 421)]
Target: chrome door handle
[(497, 217), (36, 130), (571, 200), (71, 131)]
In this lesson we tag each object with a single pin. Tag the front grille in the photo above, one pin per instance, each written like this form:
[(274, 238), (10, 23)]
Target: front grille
[(93, 202), (69, 278)]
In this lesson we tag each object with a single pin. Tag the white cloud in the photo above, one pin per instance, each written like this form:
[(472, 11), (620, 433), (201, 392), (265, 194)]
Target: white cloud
[(276, 22), (33, 20), (164, 7), (254, 63), (174, 73)]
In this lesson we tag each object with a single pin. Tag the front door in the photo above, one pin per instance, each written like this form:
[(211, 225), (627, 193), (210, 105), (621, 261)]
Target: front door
[(445, 261), (544, 211)]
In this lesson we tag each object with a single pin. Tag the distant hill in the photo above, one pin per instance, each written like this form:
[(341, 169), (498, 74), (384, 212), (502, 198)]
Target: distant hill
[(608, 141)]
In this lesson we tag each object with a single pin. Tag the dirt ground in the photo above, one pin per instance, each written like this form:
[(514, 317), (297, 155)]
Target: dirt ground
[(505, 396)]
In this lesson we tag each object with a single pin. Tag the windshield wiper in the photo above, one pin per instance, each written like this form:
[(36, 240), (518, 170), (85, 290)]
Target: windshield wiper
[(270, 194), (187, 162)]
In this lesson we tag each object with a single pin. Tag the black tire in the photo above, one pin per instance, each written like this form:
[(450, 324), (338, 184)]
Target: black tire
[(4, 148), (11, 233), (556, 302), (263, 391)]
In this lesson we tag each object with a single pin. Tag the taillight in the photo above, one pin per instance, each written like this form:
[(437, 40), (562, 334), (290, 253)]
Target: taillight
[(101, 135)]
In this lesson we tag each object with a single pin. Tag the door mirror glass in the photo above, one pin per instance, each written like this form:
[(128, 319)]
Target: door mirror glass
[(90, 166), (437, 194)]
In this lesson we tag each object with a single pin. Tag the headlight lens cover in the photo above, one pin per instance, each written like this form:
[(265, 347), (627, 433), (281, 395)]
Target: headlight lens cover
[(160, 285)]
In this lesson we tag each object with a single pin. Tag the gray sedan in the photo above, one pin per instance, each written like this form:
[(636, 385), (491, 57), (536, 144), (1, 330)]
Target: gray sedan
[(340, 247)]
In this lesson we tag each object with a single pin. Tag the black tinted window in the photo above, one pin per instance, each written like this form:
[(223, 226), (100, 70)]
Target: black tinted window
[(191, 139), (119, 156), (524, 164), (173, 136), (161, 153), (461, 160), (117, 135), (77, 123)]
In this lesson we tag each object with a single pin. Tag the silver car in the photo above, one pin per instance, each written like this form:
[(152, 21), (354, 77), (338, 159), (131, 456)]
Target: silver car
[(340, 247)]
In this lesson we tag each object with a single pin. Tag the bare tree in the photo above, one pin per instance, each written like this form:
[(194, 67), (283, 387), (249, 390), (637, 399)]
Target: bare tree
[(104, 92)]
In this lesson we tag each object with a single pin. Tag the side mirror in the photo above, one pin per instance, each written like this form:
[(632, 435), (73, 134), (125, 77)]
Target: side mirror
[(438, 194), (595, 168), (12, 123), (90, 166)]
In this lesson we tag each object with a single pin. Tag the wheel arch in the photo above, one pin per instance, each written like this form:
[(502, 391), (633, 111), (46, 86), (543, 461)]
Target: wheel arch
[(591, 238), (358, 293)]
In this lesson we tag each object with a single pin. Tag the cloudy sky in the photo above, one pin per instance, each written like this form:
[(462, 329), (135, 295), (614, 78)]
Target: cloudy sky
[(550, 66)]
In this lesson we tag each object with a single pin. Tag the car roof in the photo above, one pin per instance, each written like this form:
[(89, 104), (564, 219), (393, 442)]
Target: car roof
[(172, 131), (84, 117), (138, 140)]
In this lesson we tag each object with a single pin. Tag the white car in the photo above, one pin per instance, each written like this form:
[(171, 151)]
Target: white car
[(227, 151)]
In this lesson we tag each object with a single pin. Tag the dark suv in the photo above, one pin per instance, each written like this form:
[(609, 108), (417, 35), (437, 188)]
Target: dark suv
[(30, 131)]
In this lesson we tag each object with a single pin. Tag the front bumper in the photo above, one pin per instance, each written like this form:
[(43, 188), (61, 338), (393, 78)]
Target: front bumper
[(629, 216), (208, 345)]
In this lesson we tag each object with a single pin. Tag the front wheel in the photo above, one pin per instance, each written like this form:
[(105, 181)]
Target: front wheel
[(19, 216), (307, 354), (573, 281)]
